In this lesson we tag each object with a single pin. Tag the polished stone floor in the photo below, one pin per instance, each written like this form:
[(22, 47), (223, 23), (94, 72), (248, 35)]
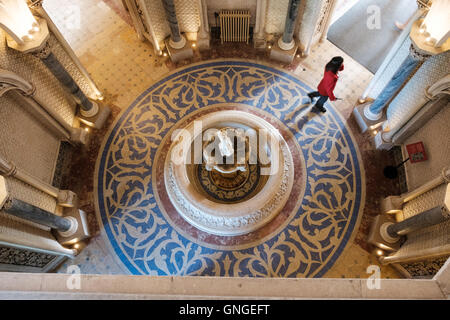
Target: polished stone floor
[(123, 67)]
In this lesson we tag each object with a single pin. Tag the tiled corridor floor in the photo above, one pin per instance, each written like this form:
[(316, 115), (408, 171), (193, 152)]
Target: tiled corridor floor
[(123, 67)]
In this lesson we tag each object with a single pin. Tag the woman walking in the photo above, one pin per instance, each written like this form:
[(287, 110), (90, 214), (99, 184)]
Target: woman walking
[(329, 80)]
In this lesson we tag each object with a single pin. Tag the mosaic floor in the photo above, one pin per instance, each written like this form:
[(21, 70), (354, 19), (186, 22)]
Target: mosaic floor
[(123, 68), (304, 240)]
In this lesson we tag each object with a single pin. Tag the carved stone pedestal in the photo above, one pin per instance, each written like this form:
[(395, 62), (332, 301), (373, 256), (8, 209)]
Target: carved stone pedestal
[(365, 123), (259, 43), (287, 56), (377, 236), (176, 55), (74, 236), (98, 120), (204, 43)]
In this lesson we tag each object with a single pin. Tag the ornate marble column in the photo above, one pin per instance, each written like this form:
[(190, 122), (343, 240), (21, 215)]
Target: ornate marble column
[(422, 220), (412, 98), (414, 59), (394, 204), (284, 49), (39, 10), (391, 64), (177, 41), (88, 108), (259, 40), (70, 229), (327, 19), (32, 213), (204, 36), (386, 233), (64, 198), (286, 42), (36, 43)]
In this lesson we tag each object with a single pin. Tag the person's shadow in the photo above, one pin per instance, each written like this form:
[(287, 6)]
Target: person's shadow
[(302, 114)]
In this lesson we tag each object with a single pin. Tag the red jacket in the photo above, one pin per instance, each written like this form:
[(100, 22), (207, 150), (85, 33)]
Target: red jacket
[(326, 86)]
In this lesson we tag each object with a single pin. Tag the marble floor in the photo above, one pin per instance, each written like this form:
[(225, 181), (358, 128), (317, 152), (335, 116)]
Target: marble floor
[(123, 68)]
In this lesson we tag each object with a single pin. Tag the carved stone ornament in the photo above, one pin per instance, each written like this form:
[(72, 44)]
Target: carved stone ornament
[(44, 52), (418, 54), (11, 81)]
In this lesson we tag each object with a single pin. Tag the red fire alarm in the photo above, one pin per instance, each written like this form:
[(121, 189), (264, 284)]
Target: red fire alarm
[(416, 152)]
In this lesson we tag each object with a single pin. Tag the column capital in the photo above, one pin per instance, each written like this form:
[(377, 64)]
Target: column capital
[(418, 54), (43, 52), (37, 4)]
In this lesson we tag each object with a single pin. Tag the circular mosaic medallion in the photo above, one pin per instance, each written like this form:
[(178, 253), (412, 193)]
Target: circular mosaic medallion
[(144, 229)]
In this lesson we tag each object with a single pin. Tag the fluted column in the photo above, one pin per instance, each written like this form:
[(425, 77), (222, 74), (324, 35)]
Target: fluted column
[(286, 42), (177, 41)]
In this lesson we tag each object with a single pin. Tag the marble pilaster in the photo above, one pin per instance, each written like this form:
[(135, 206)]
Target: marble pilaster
[(308, 24), (412, 98), (259, 40), (204, 36)]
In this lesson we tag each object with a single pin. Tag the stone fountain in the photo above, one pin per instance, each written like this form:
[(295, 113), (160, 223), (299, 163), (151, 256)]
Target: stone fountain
[(232, 176)]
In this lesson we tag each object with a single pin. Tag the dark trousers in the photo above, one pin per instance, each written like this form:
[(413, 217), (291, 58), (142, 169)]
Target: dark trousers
[(321, 101)]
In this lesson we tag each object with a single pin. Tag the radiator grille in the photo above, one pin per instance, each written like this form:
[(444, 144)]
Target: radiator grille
[(234, 25)]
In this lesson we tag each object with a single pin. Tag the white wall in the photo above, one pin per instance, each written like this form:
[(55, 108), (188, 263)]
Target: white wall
[(435, 136)]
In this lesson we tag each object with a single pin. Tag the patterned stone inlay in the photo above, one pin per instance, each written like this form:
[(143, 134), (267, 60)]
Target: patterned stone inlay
[(306, 244), (20, 257)]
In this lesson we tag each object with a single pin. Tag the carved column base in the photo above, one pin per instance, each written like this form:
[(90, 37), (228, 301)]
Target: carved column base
[(204, 43), (259, 43), (365, 123), (67, 198), (392, 204), (381, 143), (98, 120), (182, 53), (179, 44), (282, 55), (377, 236), (79, 136), (81, 232)]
